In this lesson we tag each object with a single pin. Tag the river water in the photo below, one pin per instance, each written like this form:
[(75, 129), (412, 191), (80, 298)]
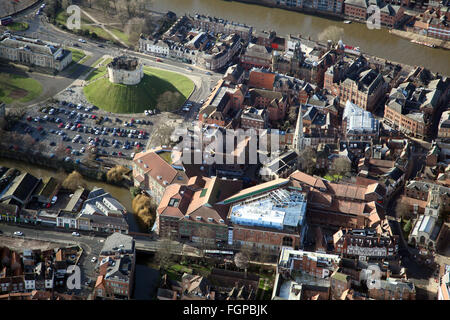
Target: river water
[(123, 195), (374, 42)]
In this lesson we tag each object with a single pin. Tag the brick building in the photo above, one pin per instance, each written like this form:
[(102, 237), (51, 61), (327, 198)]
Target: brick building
[(319, 265), (190, 212), (154, 171), (116, 269), (267, 216), (256, 56), (261, 79), (356, 9), (365, 244)]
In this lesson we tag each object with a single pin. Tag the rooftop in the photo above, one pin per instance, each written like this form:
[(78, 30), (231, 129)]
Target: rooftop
[(276, 209), (118, 242)]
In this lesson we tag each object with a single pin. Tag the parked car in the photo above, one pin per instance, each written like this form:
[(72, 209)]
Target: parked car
[(18, 233), (75, 234), (94, 259), (82, 40)]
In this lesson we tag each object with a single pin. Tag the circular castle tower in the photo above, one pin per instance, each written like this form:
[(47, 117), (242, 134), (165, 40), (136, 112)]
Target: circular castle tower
[(125, 70)]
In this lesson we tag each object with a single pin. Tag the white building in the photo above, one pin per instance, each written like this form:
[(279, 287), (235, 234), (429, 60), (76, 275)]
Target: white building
[(34, 52)]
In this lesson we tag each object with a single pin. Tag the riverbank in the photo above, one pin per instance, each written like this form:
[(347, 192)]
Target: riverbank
[(319, 13), (120, 193), (417, 37), (376, 42)]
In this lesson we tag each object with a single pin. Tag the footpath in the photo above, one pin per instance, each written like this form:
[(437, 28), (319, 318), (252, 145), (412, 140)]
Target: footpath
[(418, 37)]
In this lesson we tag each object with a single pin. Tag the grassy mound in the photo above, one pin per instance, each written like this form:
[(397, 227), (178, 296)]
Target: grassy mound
[(151, 92), (15, 87)]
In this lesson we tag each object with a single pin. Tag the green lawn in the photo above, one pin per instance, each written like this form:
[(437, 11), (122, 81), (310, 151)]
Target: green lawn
[(120, 34), (62, 16), (18, 26), (98, 72), (118, 98), (77, 55), (18, 88), (87, 24), (334, 177)]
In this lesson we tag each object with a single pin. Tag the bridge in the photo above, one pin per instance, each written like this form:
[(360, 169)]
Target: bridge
[(176, 248)]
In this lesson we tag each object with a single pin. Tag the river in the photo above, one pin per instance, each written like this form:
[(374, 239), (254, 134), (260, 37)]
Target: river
[(379, 43)]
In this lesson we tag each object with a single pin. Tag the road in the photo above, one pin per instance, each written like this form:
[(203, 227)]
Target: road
[(417, 272), (40, 28)]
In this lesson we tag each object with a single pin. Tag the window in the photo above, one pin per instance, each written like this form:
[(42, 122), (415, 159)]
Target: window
[(287, 241)]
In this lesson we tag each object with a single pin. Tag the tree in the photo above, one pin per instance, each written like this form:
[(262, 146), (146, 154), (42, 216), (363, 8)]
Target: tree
[(134, 29), (241, 260), (135, 191), (73, 181), (407, 227), (292, 114), (206, 235), (168, 100), (148, 26), (307, 160), (341, 166), (144, 209), (262, 255), (402, 210), (65, 4), (116, 174), (123, 18), (60, 150), (163, 255)]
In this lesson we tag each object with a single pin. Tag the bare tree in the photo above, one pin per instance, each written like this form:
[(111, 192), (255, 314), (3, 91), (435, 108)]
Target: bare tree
[(163, 254), (402, 210), (65, 4), (292, 114), (73, 181), (116, 174), (206, 236), (168, 100), (341, 166), (242, 260), (60, 150), (28, 141), (123, 18), (307, 160), (134, 29)]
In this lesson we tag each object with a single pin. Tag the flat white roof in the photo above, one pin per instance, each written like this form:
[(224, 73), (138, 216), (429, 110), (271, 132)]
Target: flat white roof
[(276, 209)]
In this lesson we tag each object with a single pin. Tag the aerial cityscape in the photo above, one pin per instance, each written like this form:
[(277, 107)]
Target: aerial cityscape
[(239, 151)]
